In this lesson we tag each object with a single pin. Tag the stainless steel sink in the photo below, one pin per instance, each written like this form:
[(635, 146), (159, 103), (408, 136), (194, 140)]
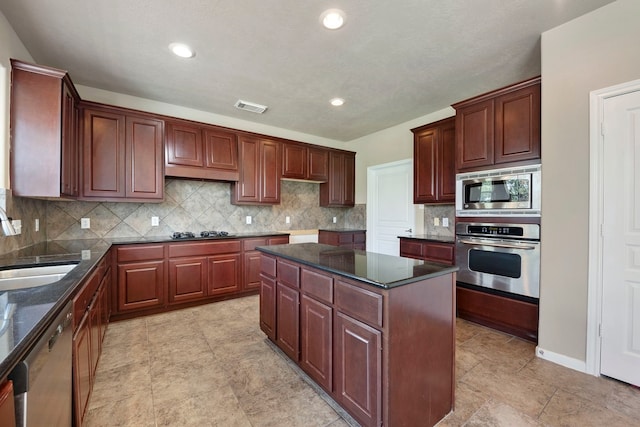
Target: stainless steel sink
[(29, 277)]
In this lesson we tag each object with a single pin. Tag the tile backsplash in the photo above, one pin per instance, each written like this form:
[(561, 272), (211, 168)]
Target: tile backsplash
[(195, 206), (439, 211)]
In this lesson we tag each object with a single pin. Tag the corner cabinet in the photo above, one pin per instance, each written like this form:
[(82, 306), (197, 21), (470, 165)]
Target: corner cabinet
[(434, 162), (198, 151), (499, 128), (44, 132), (340, 189), (260, 172), (122, 155)]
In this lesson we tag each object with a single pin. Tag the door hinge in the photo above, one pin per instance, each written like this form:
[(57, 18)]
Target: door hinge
[(602, 128), (600, 330)]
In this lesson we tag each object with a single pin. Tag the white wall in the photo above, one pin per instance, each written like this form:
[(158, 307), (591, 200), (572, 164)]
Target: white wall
[(597, 50), (10, 47)]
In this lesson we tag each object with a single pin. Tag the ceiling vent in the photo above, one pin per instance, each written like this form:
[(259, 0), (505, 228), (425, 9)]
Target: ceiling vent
[(250, 106)]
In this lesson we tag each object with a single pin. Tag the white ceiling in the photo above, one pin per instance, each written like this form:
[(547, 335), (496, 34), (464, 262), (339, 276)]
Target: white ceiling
[(393, 61)]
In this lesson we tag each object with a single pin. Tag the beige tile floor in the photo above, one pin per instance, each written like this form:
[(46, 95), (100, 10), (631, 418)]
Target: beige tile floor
[(212, 366)]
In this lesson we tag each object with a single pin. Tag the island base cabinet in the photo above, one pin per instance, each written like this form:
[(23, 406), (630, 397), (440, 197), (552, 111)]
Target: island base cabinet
[(316, 341), (288, 320), (268, 306), (358, 371)]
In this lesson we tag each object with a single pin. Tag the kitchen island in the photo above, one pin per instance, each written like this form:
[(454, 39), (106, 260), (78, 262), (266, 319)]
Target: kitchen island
[(376, 332)]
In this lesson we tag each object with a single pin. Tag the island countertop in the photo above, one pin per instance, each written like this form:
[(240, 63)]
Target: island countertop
[(385, 271)]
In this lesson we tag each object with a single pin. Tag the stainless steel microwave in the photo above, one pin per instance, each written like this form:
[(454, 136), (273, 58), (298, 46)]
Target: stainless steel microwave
[(499, 192)]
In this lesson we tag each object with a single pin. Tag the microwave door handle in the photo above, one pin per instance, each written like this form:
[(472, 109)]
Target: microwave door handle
[(496, 245)]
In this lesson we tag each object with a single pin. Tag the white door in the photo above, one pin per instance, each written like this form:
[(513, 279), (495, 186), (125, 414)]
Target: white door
[(390, 208), (620, 345)]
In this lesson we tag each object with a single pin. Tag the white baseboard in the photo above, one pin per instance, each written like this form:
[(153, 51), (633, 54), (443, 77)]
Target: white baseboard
[(561, 359)]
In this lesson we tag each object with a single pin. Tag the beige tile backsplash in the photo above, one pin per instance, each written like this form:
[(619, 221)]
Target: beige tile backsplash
[(188, 206)]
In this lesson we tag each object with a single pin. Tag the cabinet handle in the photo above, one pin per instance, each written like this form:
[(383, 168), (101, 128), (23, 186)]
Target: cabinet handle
[(409, 230)]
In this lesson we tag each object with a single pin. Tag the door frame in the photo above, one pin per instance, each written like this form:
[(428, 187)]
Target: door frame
[(372, 199), (597, 99)]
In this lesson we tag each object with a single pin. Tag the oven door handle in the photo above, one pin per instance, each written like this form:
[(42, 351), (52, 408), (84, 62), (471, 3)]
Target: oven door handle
[(496, 245)]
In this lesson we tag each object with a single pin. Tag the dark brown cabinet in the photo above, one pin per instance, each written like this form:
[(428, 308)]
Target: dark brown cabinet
[(427, 250), (251, 270), (44, 132), (351, 239), (260, 172), (434, 175), (187, 279), (306, 162), (499, 128), (141, 276), (288, 320), (225, 274), (122, 155), (7, 405), (339, 191), (91, 308), (198, 151)]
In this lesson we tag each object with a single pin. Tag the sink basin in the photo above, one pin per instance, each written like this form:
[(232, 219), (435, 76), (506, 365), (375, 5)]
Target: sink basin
[(29, 277)]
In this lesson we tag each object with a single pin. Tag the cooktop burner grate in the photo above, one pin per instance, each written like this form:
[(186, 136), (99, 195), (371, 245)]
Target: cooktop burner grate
[(190, 235)]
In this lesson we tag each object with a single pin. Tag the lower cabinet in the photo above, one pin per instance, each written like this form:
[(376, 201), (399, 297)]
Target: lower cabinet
[(7, 405), (225, 274), (251, 276), (187, 279), (427, 250), (91, 308), (351, 239), (141, 277), (385, 355)]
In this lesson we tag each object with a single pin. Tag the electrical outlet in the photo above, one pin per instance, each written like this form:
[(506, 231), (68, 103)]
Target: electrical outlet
[(37, 224), (85, 223), (248, 219), (287, 219), (445, 222), (17, 226), (155, 221), (436, 222), (335, 219), (86, 254)]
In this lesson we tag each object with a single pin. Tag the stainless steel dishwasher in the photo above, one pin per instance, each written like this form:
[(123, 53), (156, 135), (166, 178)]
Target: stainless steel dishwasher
[(42, 380)]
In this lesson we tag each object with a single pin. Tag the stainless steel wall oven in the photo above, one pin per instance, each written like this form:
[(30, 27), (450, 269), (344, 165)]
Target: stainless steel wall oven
[(503, 257)]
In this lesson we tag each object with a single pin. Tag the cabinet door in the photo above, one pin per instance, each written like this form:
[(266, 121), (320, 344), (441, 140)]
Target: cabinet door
[(141, 285), (81, 368), (425, 150), (410, 248), (288, 320), (221, 149), (474, 135), (103, 154), (187, 279), (316, 325), (333, 189), (247, 189), (358, 369), (517, 125), (270, 171), (144, 167), (447, 162), (268, 306), (69, 179), (318, 164), (349, 190), (294, 161), (252, 270), (184, 145), (224, 274), (96, 332), (105, 304)]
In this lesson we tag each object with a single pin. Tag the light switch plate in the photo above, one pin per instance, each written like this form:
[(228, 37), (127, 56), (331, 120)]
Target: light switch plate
[(248, 219), (37, 224), (85, 223), (287, 219), (335, 219), (436, 221), (155, 221), (445, 222)]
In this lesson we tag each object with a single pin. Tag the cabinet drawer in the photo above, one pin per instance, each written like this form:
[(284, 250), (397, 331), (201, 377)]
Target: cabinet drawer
[(140, 253), (345, 238), (439, 252), (359, 237), (317, 284), (288, 274), (268, 265), (251, 244), (410, 249), (203, 248), (280, 240), (83, 298), (359, 303)]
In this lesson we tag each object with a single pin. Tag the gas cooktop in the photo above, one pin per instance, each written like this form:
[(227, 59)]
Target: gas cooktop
[(204, 234)]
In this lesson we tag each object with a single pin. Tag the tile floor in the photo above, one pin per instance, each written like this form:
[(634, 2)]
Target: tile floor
[(212, 366)]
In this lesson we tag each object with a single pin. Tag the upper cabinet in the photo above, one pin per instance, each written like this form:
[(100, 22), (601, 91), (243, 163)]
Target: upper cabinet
[(122, 154), (44, 137), (198, 151), (434, 175), (260, 172), (339, 190), (305, 162), (499, 128)]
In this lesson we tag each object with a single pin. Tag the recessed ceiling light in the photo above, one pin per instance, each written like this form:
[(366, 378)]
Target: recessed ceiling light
[(182, 50), (336, 102), (332, 19)]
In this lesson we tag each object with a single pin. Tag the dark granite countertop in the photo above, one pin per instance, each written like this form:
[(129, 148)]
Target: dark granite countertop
[(28, 312), (431, 238), (384, 271)]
